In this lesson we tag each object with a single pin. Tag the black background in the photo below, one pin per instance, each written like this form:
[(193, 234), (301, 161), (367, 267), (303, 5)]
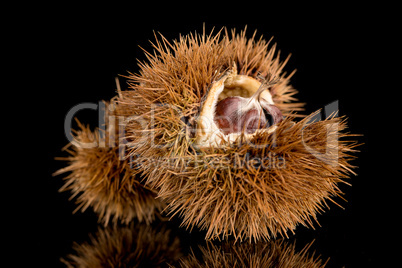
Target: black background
[(72, 54)]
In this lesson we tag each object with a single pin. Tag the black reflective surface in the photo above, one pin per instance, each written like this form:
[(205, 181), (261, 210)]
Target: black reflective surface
[(82, 52)]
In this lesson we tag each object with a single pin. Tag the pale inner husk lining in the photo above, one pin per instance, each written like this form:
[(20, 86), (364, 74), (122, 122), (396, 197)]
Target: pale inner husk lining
[(231, 84)]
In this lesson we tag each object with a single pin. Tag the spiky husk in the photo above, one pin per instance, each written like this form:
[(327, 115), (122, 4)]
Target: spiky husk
[(128, 246), (272, 254), (229, 199), (100, 178)]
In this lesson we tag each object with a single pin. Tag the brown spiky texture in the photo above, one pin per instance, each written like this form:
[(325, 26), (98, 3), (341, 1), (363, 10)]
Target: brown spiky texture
[(100, 178), (131, 246), (272, 254), (208, 187)]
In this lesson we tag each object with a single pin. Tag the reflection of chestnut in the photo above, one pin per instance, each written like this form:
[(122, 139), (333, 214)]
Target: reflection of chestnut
[(134, 245), (276, 253), (235, 114)]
